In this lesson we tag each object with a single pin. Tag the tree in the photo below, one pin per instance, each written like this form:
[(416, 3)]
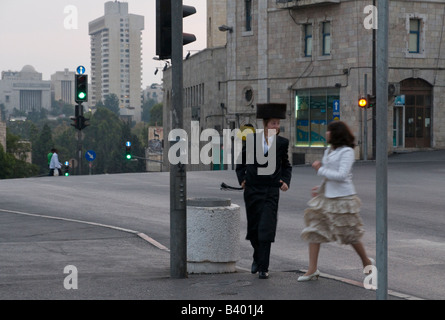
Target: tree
[(156, 115), (112, 103), (65, 140), (15, 146), (104, 136), (136, 149), (60, 107), (146, 107), (6, 164), (40, 148), (2, 112), (10, 166)]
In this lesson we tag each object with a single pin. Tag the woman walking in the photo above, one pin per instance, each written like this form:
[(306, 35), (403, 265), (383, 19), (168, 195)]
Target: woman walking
[(334, 211)]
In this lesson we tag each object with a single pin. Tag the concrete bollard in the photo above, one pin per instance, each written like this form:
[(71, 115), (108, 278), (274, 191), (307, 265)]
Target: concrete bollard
[(213, 233)]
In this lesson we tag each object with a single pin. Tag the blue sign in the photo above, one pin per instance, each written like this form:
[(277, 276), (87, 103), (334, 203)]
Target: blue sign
[(81, 69), (400, 100), (336, 110), (90, 155)]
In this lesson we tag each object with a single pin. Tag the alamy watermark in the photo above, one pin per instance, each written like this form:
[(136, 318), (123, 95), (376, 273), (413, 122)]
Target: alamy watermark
[(179, 150), (371, 21), (70, 281), (370, 281), (71, 20)]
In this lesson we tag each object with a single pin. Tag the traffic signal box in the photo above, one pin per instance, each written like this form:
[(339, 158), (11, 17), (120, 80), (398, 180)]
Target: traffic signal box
[(128, 150), (79, 121), (368, 102), (371, 101), (81, 85), (67, 169), (363, 102), (164, 28)]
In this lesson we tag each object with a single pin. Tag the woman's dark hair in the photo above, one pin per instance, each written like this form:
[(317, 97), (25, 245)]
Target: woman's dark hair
[(340, 135)]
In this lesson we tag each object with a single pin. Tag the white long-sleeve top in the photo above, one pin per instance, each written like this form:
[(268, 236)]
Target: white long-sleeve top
[(337, 169), (54, 163)]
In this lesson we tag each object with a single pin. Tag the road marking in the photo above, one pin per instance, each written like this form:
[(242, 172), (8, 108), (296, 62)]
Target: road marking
[(360, 284), (139, 234), (162, 247)]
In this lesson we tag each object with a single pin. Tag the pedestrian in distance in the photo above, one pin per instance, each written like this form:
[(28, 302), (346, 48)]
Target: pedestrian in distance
[(262, 191), (50, 155), (333, 213), (55, 164)]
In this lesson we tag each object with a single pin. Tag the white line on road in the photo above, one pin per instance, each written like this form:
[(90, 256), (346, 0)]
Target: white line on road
[(139, 234)]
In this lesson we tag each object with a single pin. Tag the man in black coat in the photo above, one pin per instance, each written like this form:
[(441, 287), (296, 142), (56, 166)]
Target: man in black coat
[(262, 181)]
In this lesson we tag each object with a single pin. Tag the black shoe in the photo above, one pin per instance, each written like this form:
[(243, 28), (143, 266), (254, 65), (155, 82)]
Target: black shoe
[(263, 275), (254, 267)]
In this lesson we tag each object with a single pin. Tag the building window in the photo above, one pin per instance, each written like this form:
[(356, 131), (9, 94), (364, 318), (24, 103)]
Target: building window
[(313, 111), (307, 40), (414, 36), (326, 38), (248, 11)]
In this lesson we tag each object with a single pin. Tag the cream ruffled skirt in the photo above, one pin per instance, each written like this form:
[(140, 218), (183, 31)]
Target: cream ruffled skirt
[(333, 219)]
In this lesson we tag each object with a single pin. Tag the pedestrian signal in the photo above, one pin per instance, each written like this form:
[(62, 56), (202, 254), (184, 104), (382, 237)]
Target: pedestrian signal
[(128, 150), (371, 101), (67, 169)]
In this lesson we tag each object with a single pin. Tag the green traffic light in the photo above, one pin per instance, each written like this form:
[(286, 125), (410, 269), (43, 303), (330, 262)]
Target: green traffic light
[(129, 156), (66, 174), (81, 95)]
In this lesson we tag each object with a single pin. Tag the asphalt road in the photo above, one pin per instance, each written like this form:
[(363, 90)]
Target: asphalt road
[(416, 202)]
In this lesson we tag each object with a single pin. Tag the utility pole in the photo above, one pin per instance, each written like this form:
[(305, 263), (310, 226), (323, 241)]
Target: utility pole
[(79, 121), (79, 112), (374, 83), (365, 122), (178, 181), (382, 151)]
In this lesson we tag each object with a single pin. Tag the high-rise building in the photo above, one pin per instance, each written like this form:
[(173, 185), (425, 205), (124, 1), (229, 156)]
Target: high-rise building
[(116, 58)]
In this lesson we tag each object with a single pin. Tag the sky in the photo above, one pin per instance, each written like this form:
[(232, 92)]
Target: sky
[(42, 34)]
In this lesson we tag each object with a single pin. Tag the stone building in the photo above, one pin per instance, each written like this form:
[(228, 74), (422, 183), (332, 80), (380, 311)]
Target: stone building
[(314, 55), (62, 86), (153, 92), (204, 96), (24, 90)]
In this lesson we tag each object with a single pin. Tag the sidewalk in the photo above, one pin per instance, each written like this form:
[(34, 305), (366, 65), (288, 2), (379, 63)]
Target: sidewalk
[(115, 264)]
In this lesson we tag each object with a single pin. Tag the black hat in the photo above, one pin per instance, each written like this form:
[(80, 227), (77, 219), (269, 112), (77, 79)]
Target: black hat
[(271, 110)]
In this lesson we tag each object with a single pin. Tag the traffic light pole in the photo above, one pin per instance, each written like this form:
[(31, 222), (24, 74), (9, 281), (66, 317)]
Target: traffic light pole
[(382, 151), (178, 181), (365, 122), (79, 113)]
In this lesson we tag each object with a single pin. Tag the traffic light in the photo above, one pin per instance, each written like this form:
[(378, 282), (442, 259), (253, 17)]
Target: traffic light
[(80, 122), (75, 123), (67, 169), (81, 86), (83, 122), (164, 28), (371, 101), (363, 102), (128, 150)]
